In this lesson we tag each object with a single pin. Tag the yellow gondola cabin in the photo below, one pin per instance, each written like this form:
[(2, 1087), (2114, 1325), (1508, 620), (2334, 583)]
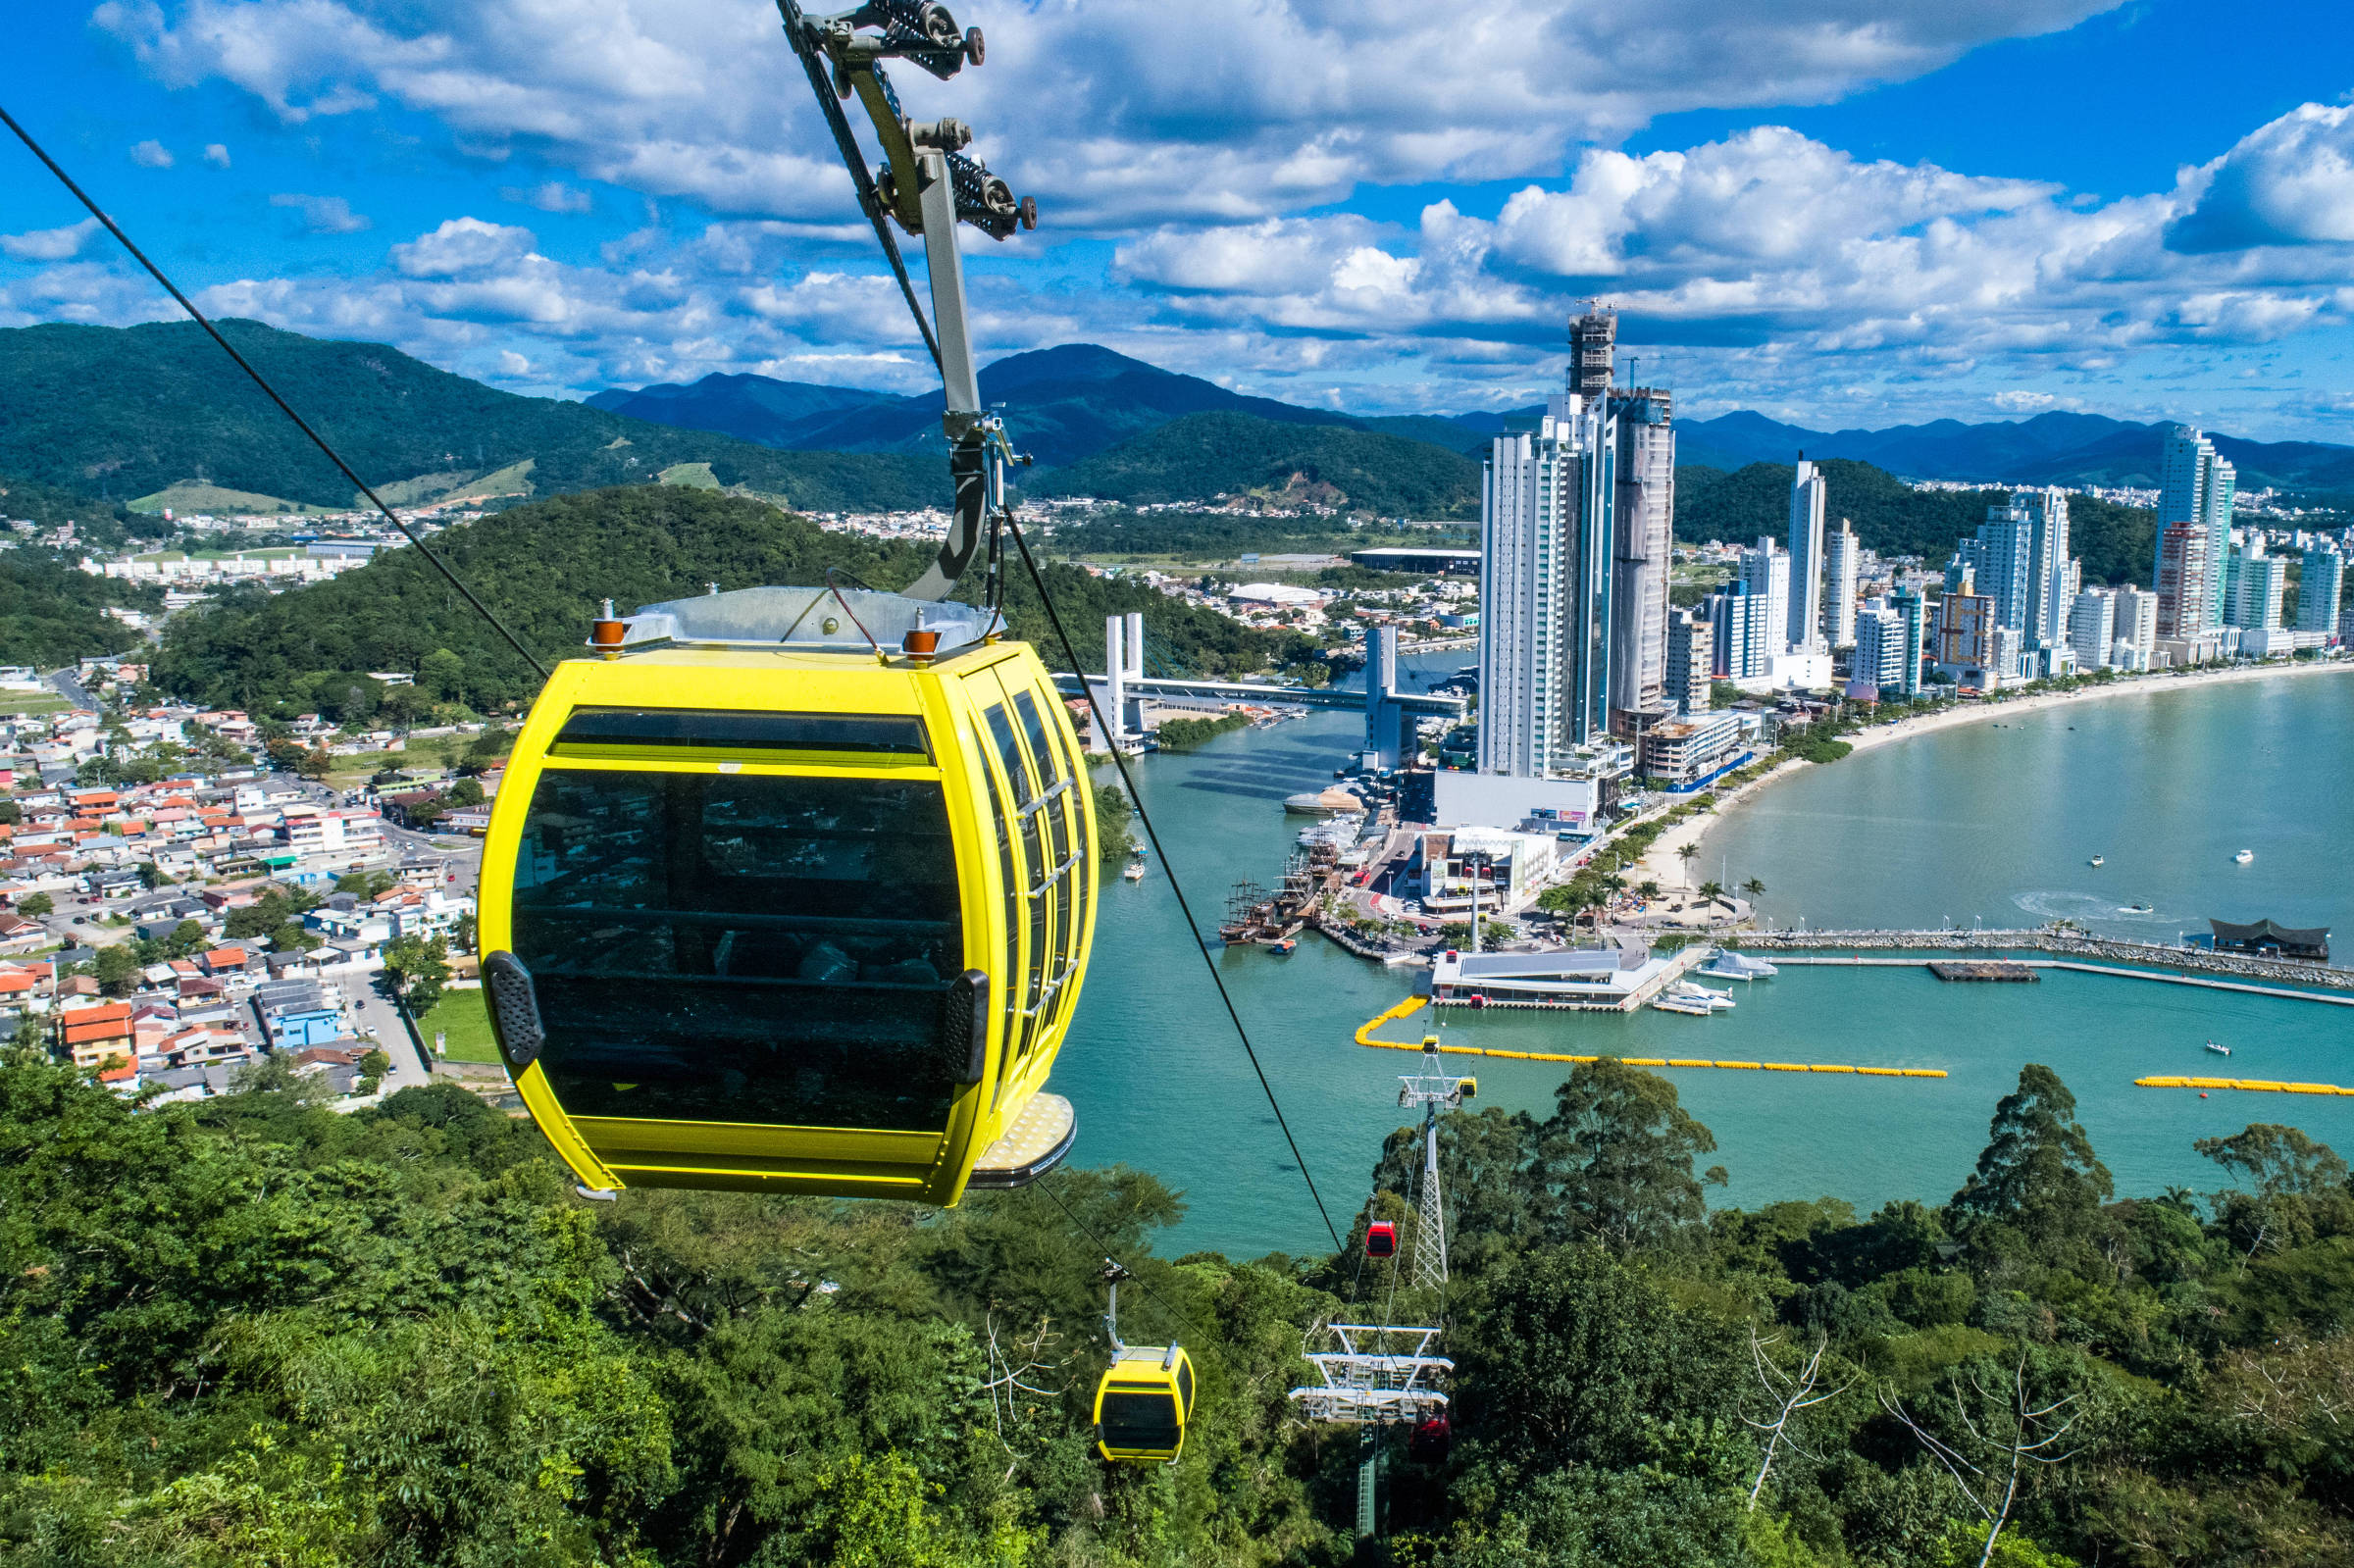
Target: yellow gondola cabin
[(1143, 1404), (791, 890)]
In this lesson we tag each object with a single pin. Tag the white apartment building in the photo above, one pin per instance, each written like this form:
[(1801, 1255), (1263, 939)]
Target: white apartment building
[(1767, 570), (1545, 578), (1842, 557), (2319, 583), (2092, 627), (1802, 584)]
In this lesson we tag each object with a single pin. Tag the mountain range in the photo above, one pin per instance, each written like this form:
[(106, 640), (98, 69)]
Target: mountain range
[(1079, 399), (156, 415)]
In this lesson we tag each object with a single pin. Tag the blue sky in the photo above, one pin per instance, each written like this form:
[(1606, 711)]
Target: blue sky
[(1838, 211)]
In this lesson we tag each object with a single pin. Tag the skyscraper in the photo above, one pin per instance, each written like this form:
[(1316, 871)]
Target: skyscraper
[(2253, 582), (2092, 627), (1691, 660), (1808, 494), (2022, 562), (1841, 555), (2181, 580), (2136, 631), (1643, 526), (1913, 611), (1767, 570), (1545, 582), (1739, 629), (1879, 656), (2195, 495), (1592, 344), (2320, 582)]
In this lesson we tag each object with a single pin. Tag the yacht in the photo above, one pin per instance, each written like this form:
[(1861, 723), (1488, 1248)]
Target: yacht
[(2219, 1051), (1729, 965), (1717, 1001), (1672, 1003), (2244, 857), (1134, 871), (2098, 860), (2137, 909)]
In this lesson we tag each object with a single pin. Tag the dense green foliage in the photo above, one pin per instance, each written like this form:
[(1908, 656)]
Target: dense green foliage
[(1191, 735), (52, 613), (1893, 519), (543, 568), (249, 1330), (1206, 455), (253, 1330), (134, 410)]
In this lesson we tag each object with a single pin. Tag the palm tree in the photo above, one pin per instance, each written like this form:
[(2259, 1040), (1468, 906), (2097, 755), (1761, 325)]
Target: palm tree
[(1753, 888), (1711, 890), (1688, 853)]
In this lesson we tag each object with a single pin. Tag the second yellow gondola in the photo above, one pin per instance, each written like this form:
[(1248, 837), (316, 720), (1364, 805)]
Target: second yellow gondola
[(1143, 1404), (791, 890)]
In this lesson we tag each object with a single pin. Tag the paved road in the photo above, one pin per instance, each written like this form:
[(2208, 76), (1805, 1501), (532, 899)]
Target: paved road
[(68, 685), (379, 1022)]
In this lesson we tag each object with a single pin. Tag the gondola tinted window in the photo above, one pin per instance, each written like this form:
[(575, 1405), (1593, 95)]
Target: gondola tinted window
[(1141, 1420), (741, 948)]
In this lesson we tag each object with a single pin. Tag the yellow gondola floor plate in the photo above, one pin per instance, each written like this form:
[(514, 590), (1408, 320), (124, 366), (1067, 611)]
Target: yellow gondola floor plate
[(1033, 1146)]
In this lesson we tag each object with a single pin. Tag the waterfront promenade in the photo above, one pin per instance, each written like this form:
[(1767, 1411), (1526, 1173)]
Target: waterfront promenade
[(2280, 972)]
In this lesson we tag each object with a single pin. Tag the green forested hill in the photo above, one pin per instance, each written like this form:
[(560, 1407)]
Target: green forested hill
[(1892, 518), (51, 612), (1204, 455), (543, 567), (248, 1332), (126, 412)]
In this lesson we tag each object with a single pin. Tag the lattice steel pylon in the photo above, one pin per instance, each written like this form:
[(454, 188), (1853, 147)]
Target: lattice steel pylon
[(1431, 1089)]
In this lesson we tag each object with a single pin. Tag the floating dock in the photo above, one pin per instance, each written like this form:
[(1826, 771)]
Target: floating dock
[(1414, 1004), (1992, 971)]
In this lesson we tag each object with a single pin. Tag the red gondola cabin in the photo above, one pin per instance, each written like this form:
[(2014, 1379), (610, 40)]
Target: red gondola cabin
[(1381, 1240)]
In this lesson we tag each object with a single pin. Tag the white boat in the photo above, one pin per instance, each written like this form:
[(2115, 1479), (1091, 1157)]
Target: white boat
[(1682, 1004), (1726, 964), (1717, 1000), (2097, 860), (1134, 871), (2244, 857), (2219, 1051)]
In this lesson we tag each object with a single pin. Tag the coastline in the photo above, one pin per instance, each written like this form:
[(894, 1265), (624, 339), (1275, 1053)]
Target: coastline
[(1662, 863)]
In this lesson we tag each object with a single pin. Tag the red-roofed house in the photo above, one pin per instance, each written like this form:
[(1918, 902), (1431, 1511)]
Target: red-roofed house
[(223, 961), (91, 1035)]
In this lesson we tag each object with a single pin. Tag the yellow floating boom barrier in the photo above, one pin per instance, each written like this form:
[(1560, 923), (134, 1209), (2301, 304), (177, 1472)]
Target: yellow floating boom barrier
[(1414, 1004), (2262, 1086)]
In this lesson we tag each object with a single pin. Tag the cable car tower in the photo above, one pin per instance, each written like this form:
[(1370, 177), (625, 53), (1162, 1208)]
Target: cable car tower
[(1431, 1089), (1382, 1375)]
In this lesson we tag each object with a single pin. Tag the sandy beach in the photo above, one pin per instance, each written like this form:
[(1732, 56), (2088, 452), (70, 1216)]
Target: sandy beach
[(1664, 864)]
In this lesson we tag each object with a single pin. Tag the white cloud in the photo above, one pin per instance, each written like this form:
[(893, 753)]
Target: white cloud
[(1116, 112), (324, 215), (463, 245), (553, 196), (151, 155), (2289, 183), (216, 154), (49, 244)]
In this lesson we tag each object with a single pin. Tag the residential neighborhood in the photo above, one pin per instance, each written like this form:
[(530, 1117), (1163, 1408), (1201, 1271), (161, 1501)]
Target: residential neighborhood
[(173, 931)]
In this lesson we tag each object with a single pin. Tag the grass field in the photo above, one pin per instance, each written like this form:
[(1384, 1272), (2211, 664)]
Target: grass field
[(360, 767), (27, 702), (461, 1015)]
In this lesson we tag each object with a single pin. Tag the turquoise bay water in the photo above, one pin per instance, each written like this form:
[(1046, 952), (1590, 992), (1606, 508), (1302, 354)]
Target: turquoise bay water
[(1969, 823)]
